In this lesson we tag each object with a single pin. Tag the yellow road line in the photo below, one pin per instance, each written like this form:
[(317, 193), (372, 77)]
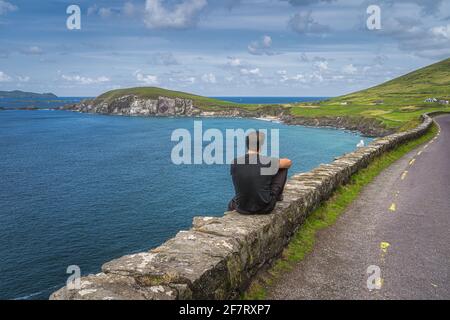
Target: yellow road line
[(412, 162), (420, 152), (404, 174), (393, 207), (379, 282), (384, 246)]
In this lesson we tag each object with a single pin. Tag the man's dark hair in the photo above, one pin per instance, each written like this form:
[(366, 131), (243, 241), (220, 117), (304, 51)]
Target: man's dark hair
[(255, 140)]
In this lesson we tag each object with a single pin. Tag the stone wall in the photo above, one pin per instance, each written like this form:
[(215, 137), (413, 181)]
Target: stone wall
[(217, 258)]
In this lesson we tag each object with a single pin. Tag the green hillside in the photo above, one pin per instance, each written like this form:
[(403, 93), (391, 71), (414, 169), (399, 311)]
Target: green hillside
[(398, 103), (412, 88), (17, 94), (155, 92)]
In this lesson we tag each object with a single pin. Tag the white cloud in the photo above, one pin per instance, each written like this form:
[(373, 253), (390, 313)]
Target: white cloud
[(317, 77), (182, 15), (85, 80), (183, 81), (304, 23), (321, 65), (381, 59), (306, 2), (297, 78), (305, 58), (442, 31), (101, 11), (413, 36), (146, 78), (128, 9), (262, 46), (33, 50), (23, 78), (190, 80), (92, 10), (163, 59), (250, 72), (209, 78), (267, 41), (6, 7), (349, 69), (428, 6), (105, 12), (234, 62), (4, 77)]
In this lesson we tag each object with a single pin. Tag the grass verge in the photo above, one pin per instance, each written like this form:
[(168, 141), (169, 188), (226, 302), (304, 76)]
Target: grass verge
[(303, 241)]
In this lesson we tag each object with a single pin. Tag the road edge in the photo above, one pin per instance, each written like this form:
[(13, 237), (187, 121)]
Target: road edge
[(325, 216)]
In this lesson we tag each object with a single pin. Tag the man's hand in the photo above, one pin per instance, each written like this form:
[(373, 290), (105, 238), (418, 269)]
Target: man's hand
[(285, 163)]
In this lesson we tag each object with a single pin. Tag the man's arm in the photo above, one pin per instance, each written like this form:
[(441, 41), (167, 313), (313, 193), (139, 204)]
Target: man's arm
[(285, 163)]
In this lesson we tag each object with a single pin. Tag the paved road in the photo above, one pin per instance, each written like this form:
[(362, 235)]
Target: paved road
[(400, 223)]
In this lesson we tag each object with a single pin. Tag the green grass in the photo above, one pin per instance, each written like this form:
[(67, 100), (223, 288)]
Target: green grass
[(303, 241), (154, 92), (397, 104), (402, 99)]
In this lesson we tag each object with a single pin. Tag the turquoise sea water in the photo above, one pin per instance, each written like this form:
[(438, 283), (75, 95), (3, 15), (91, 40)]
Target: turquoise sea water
[(81, 189)]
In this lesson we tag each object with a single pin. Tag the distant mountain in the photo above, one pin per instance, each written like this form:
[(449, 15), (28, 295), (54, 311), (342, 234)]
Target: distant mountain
[(413, 88), (155, 93), (17, 94), (398, 104), (394, 105)]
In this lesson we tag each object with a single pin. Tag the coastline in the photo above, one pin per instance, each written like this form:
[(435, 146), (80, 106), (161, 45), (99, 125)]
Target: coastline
[(176, 107), (120, 137), (218, 257)]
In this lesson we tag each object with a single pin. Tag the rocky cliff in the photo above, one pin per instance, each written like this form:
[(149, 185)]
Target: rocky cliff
[(367, 126), (133, 105)]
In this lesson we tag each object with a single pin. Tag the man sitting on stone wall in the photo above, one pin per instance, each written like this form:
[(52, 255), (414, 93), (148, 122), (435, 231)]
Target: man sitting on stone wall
[(258, 187)]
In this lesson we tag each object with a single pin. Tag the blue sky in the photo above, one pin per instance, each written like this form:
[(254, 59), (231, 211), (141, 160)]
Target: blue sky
[(217, 47)]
